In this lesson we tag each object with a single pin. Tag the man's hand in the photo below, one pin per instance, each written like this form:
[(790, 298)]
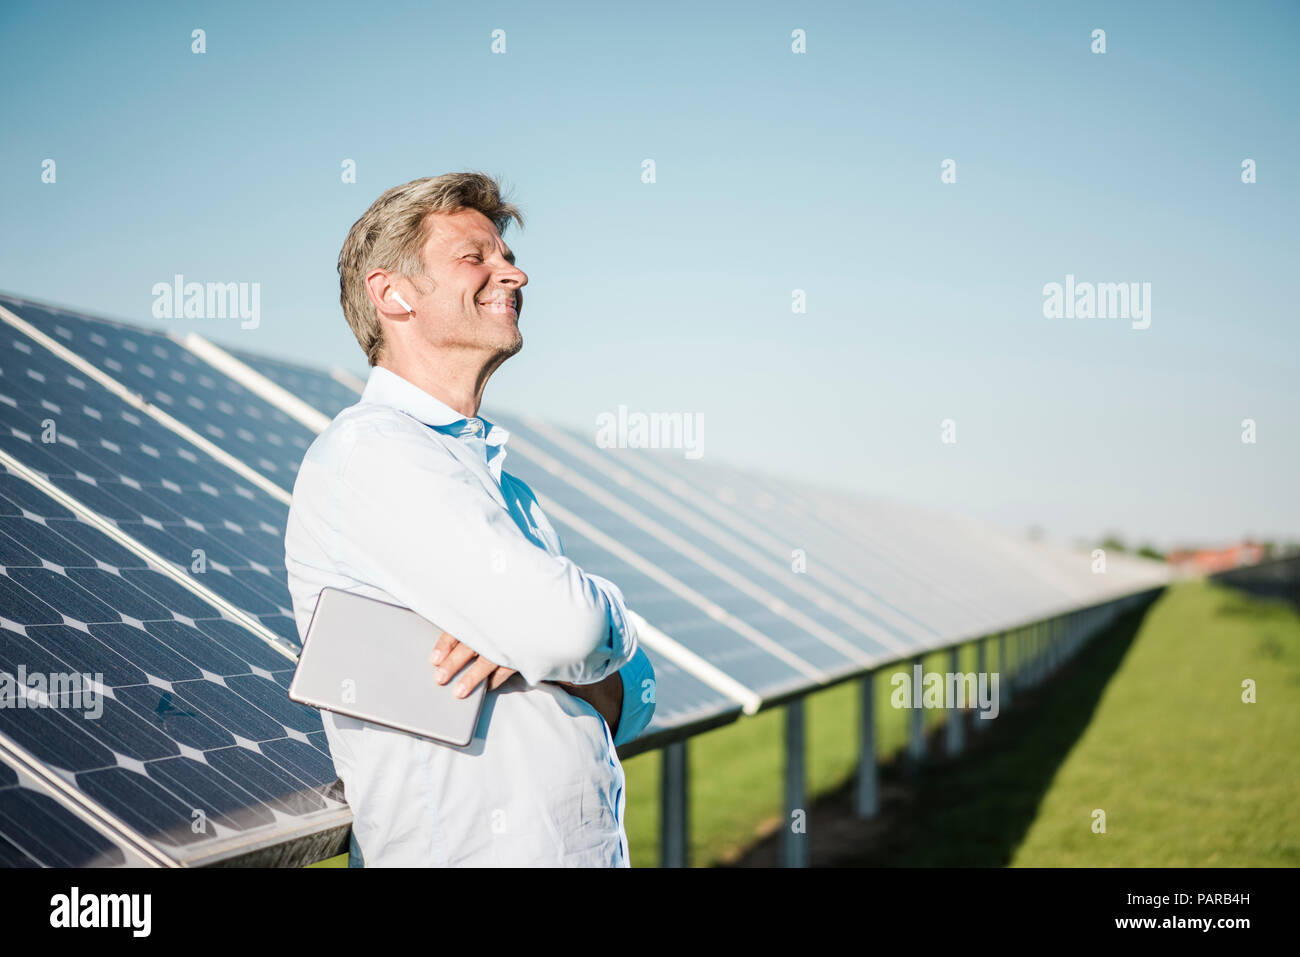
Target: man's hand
[(451, 656), (606, 696)]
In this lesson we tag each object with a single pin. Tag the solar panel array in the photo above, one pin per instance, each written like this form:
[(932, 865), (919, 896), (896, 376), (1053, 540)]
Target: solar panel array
[(143, 502)]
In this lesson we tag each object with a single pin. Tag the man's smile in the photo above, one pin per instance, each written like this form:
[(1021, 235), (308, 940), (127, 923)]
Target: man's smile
[(503, 305)]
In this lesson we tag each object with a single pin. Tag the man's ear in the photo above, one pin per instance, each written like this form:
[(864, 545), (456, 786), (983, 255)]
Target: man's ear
[(384, 288)]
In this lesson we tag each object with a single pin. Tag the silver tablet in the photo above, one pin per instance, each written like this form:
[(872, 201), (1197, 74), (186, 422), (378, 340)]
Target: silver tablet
[(370, 660)]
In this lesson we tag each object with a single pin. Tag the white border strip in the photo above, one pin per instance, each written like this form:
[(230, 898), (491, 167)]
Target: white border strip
[(345, 378), (138, 402), (694, 665), (254, 382), (152, 558)]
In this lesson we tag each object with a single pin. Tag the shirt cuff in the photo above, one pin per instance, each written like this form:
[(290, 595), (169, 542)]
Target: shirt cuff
[(638, 698)]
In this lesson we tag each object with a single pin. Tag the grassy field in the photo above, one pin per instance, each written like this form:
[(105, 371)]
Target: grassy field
[(1148, 726), (1187, 774)]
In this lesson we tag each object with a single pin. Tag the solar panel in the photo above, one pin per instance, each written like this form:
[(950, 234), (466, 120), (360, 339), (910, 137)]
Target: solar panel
[(962, 589), (1003, 578), (41, 827), (152, 484), (169, 717), (957, 577), (317, 388), (769, 574), (857, 569), (180, 383)]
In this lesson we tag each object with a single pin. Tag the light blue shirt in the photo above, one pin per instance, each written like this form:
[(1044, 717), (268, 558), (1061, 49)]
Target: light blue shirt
[(404, 499)]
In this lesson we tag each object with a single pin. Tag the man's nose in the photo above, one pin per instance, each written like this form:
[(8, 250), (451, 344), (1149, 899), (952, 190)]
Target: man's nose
[(512, 275)]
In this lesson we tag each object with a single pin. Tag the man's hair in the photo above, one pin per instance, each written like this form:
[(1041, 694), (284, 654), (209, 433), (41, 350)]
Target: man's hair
[(391, 233)]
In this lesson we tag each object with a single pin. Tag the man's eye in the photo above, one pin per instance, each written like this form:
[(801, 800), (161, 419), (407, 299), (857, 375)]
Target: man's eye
[(479, 258)]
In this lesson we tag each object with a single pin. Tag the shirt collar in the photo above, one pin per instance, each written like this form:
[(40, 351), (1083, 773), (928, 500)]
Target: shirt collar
[(385, 387)]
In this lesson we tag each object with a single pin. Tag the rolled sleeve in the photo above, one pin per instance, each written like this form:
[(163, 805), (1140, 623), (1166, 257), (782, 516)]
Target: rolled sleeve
[(638, 698)]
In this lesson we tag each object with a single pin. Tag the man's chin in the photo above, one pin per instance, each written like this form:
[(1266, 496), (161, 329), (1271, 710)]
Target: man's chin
[(512, 346)]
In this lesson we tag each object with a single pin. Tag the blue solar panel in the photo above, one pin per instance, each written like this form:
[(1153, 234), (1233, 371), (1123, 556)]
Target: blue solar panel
[(141, 476), (846, 566), (191, 722), (911, 563), (860, 566), (770, 572), (316, 387), (681, 700), (942, 575), (181, 384)]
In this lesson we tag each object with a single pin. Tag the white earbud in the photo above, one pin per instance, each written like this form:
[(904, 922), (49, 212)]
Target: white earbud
[(404, 304)]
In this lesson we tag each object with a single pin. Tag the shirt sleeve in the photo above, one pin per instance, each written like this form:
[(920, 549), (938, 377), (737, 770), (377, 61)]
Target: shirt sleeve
[(416, 523), (638, 698)]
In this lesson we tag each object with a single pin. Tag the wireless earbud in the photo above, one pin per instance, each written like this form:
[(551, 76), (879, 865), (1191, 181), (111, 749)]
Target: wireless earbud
[(402, 302)]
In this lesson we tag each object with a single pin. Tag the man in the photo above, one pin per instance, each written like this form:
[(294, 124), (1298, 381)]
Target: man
[(403, 498)]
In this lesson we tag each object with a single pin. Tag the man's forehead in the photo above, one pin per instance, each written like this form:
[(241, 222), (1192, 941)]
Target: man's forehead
[(461, 225)]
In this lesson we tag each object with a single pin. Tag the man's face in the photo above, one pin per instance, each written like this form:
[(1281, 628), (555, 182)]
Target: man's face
[(478, 292)]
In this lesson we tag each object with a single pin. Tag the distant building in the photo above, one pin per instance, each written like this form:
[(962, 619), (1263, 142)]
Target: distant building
[(1205, 561)]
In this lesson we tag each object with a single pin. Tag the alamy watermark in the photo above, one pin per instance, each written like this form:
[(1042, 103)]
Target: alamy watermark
[(651, 430), (179, 299), (1102, 300), (70, 691), (940, 689)]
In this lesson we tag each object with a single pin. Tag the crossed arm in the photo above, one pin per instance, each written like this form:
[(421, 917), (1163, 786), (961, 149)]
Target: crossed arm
[(424, 530), (605, 695)]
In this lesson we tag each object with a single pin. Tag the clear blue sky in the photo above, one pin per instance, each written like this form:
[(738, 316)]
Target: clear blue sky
[(775, 172)]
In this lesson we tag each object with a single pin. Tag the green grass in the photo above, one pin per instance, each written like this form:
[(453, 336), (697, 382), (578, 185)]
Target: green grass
[(1187, 774), (1149, 727)]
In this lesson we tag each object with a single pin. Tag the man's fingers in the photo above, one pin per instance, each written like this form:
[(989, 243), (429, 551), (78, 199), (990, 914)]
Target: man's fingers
[(445, 643), (473, 675), (451, 655), (455, 660)]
